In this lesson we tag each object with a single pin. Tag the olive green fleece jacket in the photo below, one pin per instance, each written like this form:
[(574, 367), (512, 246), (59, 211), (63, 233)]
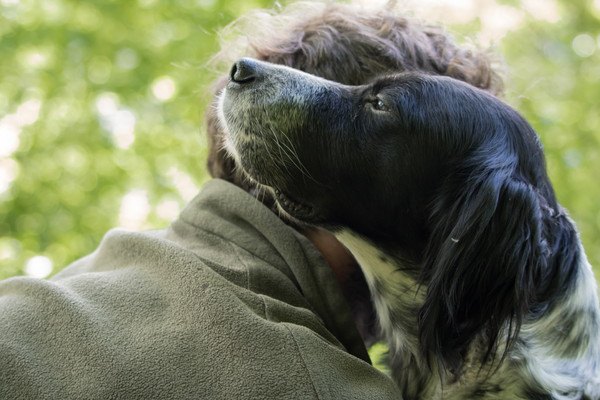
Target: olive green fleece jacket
[(227, 303)]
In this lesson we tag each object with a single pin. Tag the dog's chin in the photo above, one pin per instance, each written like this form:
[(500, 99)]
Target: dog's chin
[(288, 205)]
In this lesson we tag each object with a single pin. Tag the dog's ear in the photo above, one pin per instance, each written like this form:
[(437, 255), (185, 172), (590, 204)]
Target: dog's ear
[(481, 264)]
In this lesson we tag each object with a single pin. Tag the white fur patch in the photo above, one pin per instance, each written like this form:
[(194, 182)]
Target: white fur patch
[(390, 288)]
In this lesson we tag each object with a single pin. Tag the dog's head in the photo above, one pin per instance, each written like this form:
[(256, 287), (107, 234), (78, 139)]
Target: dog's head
[(427, 167)]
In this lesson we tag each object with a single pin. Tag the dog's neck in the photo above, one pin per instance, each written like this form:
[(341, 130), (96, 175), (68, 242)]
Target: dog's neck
[(385, 278), (397, 297)]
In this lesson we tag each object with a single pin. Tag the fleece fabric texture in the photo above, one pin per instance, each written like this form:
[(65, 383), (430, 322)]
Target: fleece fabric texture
[(227, 303)]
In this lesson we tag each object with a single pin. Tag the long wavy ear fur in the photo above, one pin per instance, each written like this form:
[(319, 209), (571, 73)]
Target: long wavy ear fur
[(485, 253)]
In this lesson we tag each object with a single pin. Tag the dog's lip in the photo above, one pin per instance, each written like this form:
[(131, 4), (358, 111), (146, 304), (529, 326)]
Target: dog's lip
[(287, 199), (294, 207), (232, 85)]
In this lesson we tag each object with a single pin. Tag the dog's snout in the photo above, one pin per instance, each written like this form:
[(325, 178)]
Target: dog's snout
[(245, 71)]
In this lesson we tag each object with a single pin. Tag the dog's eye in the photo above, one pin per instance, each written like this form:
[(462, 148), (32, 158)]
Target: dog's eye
[(378, 104)]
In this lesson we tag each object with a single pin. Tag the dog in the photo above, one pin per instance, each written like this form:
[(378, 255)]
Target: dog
[(481, 286)]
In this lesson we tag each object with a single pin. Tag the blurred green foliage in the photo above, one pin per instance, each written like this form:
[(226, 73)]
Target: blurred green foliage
[(100, 73), (554, 80), (102, 102)]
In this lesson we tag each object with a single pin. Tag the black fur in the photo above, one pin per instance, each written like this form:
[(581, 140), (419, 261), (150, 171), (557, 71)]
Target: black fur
[(448, 182)]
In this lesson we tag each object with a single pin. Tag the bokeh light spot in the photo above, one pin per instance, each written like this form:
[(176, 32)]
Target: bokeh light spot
[(168, 209), (99, 69), (127, 59), (164, 88), (28, 112), (584, 45), (123, 128), (572, 158), (9, 170), (39, 267), (147, 3), (119, 122), (107, 103), (183, 183), (134, 210), (9, 248), (9, 137), (545, 10), (35, 59), (206, 4), (76, 159)]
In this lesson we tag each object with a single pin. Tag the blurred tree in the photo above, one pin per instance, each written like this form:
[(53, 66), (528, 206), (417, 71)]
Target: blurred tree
[(101, 106)]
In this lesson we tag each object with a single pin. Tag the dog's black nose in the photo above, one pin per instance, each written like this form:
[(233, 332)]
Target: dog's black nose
[(244, 71)]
